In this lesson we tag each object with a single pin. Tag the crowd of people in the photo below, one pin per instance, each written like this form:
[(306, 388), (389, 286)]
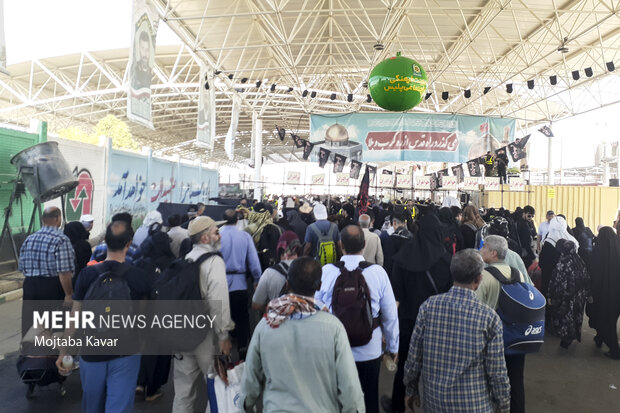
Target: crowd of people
[(313, 295)]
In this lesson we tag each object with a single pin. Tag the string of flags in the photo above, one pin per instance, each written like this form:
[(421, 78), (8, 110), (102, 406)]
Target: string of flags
[(516, 150)]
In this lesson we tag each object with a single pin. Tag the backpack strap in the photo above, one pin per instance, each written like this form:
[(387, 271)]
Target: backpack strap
[(330, 231), (206, 256), (497, 274), (432, 281), (282, 268), (317, 231)]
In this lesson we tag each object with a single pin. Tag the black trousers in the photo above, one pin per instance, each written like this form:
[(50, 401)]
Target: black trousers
[(515, 365), (368, 372), (240, 315), (154, 372), (398, 389), (610, 334), (39, 289)]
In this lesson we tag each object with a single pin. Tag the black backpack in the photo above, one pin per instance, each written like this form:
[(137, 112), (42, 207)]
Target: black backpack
[(351, 303), (180, 282), (109, 295)]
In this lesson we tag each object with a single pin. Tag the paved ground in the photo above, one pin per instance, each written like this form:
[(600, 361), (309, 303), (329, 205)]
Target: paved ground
[(577, 380)]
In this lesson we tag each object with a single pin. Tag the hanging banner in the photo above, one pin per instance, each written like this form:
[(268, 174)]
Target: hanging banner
[(281, 133), (342, 179), (141, 61), (517, 184), (386, 180), (229, 143), (546, 130), (2, 41), (293, 178), (473, 167), (205, 132), (318, 179), (422, 182), (339, 161), (434, 181), (491, 183), (323, 156), (356, 167), (403, 181), (307, 149), (517, 148), (411, 136), (471, 183), (299, 142), (440, 175), (450, 183), (458, 172), (362, 196), (372, 172)]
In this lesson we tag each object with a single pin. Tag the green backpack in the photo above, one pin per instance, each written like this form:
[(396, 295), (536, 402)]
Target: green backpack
[(326, 251)]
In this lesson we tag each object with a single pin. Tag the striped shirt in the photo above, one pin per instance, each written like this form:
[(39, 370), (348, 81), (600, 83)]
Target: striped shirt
[(457, 348), (46, 253)]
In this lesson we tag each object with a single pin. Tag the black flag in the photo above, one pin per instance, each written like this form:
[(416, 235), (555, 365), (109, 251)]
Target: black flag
[(517, 148), (473, 167), (323, 156), (339, 161), (356, 167), (546, 130), (458, 172), (362, 197), (299, 143), (281, 133), (308, 146)]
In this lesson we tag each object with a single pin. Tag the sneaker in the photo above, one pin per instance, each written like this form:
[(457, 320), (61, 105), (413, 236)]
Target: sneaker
[(155, 395)]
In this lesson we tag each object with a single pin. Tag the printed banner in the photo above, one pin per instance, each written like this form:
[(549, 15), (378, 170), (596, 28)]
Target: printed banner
[(141, 61), (229, 143), (293, 178), (386, 180), (546, 130), (356, 167), (362, 196), (440, 176), (205, 131), (342, 179), (281, 133), (458, 172), (339, 161), (434, 181), (450, 183), (422, 182), (307, 149), (517, 148), (491, 183), (323, 156), (299, 142), (517, 184), (372, 172), (410, 136), (471, 183), (473, 167), (318, 179), (403, 181), (2, 41)]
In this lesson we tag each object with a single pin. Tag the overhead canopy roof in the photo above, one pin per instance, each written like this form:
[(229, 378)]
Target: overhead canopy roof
[(327, 46)]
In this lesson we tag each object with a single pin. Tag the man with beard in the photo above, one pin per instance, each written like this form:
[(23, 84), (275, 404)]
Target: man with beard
[(141, 69), (420, 269), (214, 291)]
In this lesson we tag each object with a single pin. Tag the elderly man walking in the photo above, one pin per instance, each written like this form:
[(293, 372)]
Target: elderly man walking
[(373, 252)]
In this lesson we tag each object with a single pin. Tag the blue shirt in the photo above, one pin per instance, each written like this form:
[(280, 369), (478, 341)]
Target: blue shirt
[(323, 225), (240, 255), (458, 349), (46, 253), (382, 302), (101, 251)]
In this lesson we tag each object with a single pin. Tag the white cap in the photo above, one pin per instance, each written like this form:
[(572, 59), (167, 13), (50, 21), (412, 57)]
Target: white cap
[(320, 212), (87, 218)]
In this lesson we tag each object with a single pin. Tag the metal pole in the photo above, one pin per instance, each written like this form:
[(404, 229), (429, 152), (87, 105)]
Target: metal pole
[(257, 139)]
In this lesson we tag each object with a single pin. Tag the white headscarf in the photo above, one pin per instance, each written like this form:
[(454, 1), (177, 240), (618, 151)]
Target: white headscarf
[(151, 218), (557, 231)]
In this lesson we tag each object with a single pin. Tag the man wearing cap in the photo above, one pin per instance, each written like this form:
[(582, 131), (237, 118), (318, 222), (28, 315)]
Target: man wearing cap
[(214, 291), (240, 256), (323, 226), (274, 278), (88, 221), (543, 229)]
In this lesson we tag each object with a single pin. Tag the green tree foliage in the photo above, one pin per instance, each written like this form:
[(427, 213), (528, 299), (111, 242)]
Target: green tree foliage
[(109, 126)]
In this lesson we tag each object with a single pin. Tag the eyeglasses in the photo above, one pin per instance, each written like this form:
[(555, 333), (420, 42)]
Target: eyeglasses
[(530, 216)]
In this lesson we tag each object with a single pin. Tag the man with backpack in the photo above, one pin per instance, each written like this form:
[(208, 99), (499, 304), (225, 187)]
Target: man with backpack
[(322, 238), (273, 281), (492, 294), (109, 382), (189, 366), (361, 296)]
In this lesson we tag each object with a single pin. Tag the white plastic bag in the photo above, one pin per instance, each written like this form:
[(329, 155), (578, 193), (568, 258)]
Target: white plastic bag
[(225, 398)]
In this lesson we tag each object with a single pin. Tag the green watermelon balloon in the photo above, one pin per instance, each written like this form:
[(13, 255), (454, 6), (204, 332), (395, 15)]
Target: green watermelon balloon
[(397, 83)]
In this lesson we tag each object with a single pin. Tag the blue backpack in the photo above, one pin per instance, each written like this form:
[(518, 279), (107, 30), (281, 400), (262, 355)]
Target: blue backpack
[(522, 310)]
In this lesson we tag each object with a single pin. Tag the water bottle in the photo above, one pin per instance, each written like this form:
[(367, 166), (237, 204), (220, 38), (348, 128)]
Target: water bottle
[(389, 363), (67, 363)]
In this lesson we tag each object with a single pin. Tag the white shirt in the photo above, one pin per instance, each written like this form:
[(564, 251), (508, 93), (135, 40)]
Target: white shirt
[(382, 302), (177, 235), (543, 230)]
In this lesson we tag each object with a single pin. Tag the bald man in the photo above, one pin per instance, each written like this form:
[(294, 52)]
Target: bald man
[(47, 261)]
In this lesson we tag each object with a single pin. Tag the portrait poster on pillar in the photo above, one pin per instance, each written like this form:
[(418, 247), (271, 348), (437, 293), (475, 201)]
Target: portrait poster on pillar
[(491, 183), (205, 130), (471, 183), (342, 179), (318, 179), (422, 183), (380, 137), (144, 23), (293, 178)]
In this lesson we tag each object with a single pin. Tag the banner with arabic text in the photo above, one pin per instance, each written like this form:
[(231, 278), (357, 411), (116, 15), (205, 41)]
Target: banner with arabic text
[(375, 137), (205, 131)]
